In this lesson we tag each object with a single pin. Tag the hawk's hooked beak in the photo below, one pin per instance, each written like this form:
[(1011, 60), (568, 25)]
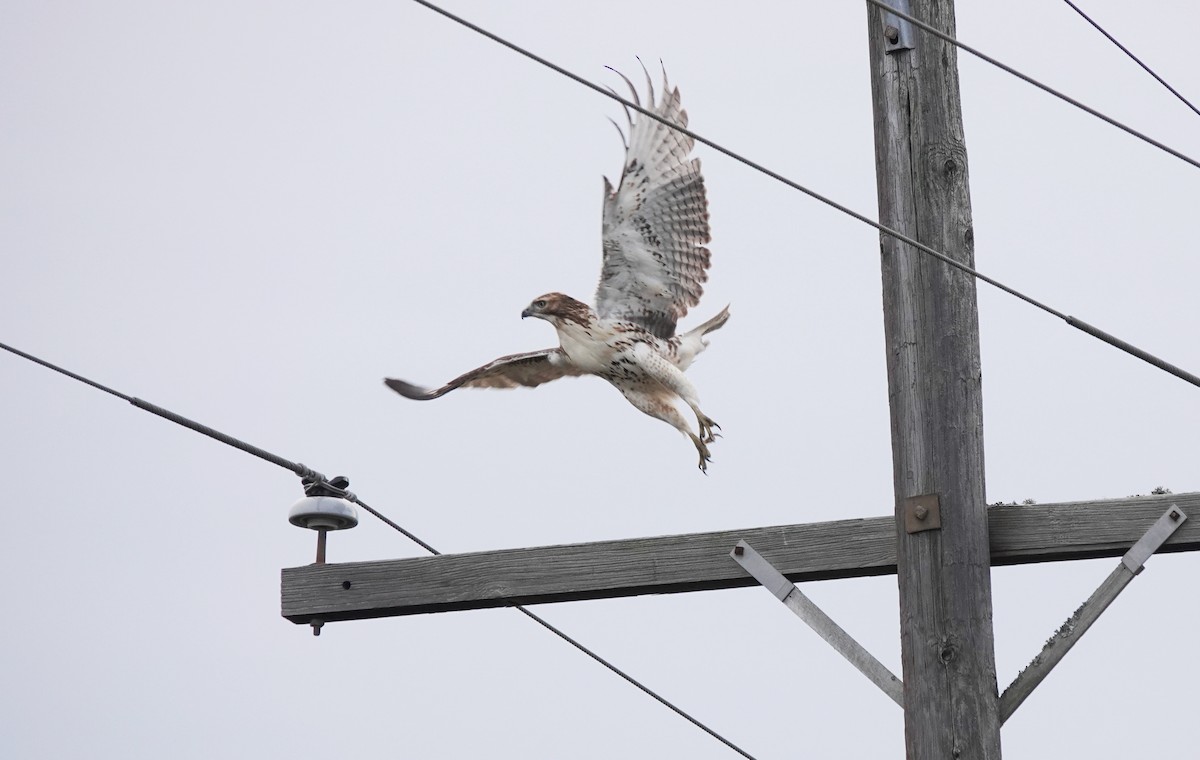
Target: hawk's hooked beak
[(526, 313)]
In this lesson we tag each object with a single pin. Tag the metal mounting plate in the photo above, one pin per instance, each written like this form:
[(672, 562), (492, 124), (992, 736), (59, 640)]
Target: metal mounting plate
[(922, 513), (898, 33)]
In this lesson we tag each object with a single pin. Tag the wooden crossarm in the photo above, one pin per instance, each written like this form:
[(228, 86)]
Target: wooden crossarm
[(700, 561)]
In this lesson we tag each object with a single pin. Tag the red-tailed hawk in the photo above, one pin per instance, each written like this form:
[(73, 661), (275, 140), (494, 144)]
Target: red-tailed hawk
[(655, 227)]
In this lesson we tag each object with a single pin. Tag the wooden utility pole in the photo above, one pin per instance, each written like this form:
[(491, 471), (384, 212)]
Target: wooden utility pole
[(934, 387)]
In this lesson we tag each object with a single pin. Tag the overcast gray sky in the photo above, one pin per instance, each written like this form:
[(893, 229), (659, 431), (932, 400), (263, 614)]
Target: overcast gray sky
[(251, 212)]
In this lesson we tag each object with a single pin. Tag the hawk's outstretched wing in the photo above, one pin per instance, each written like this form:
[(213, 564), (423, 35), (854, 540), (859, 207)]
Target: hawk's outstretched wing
[(655, 224), (528, 369)]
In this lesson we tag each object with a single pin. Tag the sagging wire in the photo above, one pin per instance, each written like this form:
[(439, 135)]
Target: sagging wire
[(311, 478)]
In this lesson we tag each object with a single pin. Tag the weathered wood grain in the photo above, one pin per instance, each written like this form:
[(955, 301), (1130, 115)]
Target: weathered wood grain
[(699, 562), (931, 330)]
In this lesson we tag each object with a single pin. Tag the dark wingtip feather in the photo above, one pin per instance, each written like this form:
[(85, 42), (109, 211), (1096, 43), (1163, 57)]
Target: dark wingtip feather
[(637, 100), (408, 390), (649, 82), (624, 142)]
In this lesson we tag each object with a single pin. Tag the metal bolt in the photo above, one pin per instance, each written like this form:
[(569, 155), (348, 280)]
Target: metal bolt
[(739, 551), (316, 626), (1174, 515), (891, 34), (321, 536), (921, 512)]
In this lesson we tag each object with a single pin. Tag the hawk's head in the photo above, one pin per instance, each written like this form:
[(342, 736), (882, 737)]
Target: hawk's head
[(556, 308)]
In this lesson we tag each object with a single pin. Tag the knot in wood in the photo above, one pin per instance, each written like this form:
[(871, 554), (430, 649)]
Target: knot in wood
[(950, 168), (946, 164), (947, 653)]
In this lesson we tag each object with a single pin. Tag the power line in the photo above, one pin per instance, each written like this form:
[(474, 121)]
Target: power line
[(630, 679), (562, 635), (312, 475), (1072, 321), (1129, 53), (1026, 78), (178, 419)]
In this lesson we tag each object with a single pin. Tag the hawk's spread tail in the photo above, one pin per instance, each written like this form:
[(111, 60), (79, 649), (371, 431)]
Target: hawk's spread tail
[(692, 342), (716, 323)]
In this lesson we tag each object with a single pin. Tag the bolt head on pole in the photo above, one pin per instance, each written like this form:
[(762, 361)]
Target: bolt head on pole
[(323, 513)]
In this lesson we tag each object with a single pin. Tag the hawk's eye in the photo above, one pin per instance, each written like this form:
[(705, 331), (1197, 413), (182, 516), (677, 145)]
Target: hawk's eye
[(539, 304)]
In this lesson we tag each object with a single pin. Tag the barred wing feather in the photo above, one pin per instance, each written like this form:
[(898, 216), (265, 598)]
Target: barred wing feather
[(528, 369), (655, 224)]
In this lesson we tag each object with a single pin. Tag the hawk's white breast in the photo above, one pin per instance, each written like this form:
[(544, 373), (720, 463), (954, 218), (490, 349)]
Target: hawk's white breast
[(590, 348)]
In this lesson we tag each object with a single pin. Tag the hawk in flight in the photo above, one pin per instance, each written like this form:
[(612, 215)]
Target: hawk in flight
[(654, 264)]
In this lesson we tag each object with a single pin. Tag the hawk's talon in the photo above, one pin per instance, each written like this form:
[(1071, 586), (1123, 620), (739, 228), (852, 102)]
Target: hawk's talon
[(706, 428), (702, 449)]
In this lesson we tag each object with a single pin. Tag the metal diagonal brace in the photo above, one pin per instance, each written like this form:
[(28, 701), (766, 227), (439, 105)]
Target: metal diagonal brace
[(1069, 633), (785, 591)]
